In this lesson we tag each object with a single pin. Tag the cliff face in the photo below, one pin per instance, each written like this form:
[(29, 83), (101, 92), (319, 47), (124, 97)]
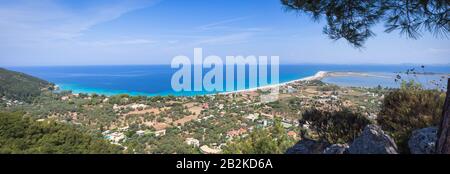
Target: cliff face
[(20, 86)]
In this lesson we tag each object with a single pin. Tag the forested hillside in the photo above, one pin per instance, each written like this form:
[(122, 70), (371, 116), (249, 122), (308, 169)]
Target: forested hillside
[(24, 135), (20, 86)]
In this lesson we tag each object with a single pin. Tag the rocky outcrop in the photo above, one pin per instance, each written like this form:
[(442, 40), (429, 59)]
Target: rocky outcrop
[(423, 141), (373, 140), (308, 146), (336, 149)]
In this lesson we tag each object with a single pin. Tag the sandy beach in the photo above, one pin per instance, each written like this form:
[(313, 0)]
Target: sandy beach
[(318, 76), (349, 73)]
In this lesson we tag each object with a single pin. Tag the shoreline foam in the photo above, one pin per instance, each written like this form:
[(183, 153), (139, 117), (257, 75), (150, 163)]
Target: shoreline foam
[(318, 76)]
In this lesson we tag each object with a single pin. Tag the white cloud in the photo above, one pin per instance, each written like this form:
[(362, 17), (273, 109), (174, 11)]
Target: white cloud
[(119, 42), (234, 38), (220, 24), (222, 32), (48, 32), (227, 25), (47, 21), (438, 50)]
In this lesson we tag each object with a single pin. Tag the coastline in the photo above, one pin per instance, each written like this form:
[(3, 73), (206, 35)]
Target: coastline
[(318, 76)]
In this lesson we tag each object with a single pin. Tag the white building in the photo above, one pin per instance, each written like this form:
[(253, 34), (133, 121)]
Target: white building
[(207, 150), (252, 117), (193, 142), (140, 132), (160, 133)]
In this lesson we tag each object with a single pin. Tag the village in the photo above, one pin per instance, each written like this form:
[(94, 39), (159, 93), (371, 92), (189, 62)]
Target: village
[(207, 123), (201, 124)]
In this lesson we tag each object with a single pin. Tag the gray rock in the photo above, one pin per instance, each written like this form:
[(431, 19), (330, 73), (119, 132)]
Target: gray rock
[(373, 140), (336, 149), (423, 141), (308, 146)]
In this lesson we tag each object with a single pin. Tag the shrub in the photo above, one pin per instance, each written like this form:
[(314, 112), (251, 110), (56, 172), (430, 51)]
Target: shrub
[(262, 141), (19, 86), (408, 109), (335, 127), (24, 135)]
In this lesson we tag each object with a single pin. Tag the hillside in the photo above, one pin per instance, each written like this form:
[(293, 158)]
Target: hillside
[(20, 86), (23, 135)]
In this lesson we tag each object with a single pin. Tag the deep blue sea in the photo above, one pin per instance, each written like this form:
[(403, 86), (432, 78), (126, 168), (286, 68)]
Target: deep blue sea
[(153, 80)]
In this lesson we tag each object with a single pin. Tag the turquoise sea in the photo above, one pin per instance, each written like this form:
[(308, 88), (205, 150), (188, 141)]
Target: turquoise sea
[(153, 80)]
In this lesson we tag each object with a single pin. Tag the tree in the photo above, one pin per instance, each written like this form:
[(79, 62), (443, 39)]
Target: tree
[(352, 19), (20, 86), (409, 108), (24, 135), (335, 127), (443, 142), (262, 141)]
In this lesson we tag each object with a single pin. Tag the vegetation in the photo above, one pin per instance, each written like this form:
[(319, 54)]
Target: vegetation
[(23, 135), (352, 20), (404, 110), (335, 127), (20, 86), (262, 141), (410, 108), (171, 143)]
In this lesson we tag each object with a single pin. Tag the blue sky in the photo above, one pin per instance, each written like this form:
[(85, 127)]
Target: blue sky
[(111, 32)]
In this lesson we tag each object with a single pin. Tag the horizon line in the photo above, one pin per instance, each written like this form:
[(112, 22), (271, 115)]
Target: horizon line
[(349, 64)]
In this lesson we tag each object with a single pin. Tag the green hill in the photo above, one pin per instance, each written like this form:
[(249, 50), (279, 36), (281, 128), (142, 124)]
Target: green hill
[(23, 135), (20, 86)]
